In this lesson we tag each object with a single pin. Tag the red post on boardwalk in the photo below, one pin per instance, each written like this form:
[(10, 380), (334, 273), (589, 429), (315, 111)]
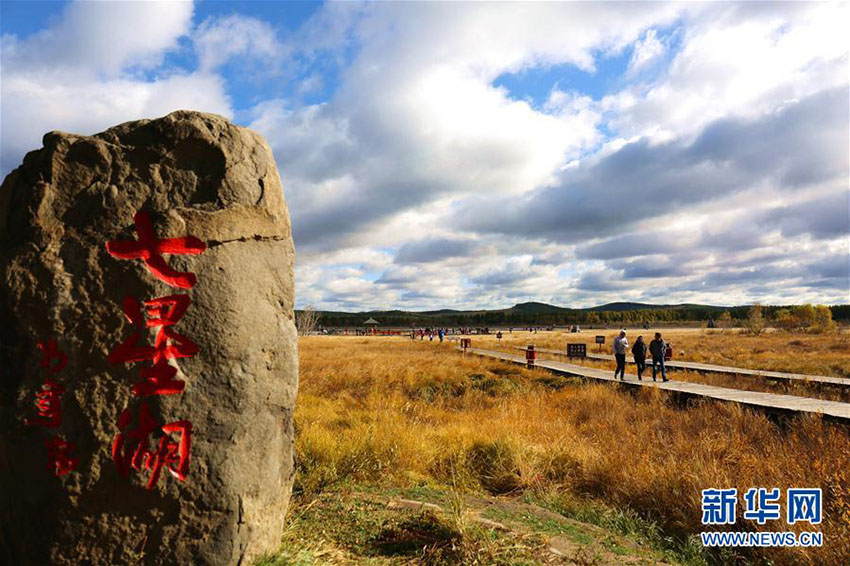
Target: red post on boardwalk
[(530, 356)]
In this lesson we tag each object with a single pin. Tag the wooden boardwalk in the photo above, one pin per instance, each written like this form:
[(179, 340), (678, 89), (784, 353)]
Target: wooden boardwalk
[(787, 404), (696, 366)]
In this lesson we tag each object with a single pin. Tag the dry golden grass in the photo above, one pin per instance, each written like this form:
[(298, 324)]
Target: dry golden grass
[(394, 412)]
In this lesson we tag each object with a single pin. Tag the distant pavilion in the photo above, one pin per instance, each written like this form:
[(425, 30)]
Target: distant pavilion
[(371, 324)]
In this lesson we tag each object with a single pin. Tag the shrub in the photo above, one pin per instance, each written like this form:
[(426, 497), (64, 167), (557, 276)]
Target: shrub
[(495, 465), (822, 319), (754, 324)]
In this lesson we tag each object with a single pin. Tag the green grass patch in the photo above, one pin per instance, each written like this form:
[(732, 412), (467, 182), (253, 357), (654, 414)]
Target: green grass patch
[(627, 522)]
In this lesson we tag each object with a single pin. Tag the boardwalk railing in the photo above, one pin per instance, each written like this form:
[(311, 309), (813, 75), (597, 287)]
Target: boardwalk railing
[(711, 368), (787, 404)]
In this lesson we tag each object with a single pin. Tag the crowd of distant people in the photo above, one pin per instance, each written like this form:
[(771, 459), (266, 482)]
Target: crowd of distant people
[(441, 333)]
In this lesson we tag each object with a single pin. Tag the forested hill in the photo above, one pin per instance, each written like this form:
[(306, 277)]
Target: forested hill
[(542, 314)]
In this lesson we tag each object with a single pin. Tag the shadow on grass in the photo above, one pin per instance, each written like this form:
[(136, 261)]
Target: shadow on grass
[(425, 535)]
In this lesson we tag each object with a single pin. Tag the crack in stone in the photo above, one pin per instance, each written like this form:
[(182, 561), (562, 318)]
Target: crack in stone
[(255, 238)]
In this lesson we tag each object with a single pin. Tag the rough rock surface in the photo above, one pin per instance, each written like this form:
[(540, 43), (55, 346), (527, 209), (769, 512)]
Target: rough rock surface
[(195, 174)]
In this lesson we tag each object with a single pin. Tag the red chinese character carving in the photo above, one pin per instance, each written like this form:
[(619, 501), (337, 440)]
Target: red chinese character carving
[(128, 351), (59, 459), (49, 353), (167, 310), (158, 380), (164, 312), (122, 457), (174, 456), (169, 344), (150, 249), (47, 401)]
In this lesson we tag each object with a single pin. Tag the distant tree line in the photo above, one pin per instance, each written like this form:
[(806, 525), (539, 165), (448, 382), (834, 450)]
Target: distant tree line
[(789, 316)]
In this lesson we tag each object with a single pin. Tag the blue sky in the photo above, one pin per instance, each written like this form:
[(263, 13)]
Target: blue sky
[(475, 155), (608, 75)]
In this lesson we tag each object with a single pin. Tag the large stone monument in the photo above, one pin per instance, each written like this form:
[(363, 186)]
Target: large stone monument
[(148, 355)]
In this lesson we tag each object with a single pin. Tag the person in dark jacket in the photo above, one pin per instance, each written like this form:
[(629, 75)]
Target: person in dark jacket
[(639, 352), (658, 348)]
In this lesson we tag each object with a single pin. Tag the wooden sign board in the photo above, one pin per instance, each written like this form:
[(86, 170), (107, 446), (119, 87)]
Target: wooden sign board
[(577, 350)]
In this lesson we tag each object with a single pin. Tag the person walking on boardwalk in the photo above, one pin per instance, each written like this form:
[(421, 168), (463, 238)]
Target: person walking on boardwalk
[(658, 348), (621, 346), (639, 352)]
